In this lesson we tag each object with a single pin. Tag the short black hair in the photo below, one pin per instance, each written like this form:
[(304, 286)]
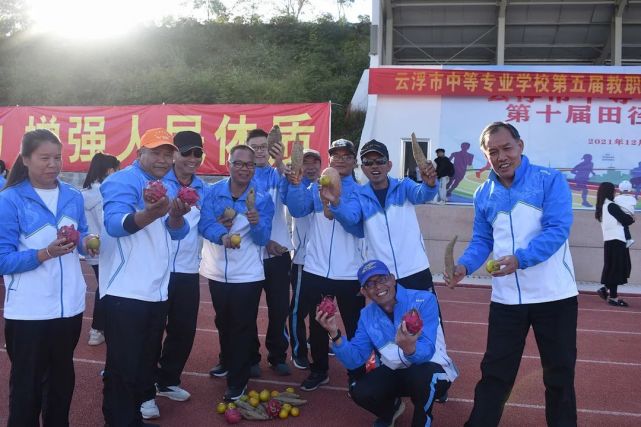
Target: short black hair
[(492, 128), (254, 133), (442, 150)]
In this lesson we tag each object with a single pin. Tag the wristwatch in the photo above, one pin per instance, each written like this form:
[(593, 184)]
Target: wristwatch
[(338, 335)]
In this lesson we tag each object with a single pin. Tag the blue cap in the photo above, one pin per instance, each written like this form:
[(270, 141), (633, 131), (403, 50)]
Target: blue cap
[(371, 268)]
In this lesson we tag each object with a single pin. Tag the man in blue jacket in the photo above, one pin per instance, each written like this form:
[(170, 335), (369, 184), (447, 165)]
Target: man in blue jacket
[(523, 214), (405, 368)]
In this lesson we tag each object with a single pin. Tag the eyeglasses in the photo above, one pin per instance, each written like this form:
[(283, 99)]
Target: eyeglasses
[(237, 164), (262, 147), (381, 161), (343, 158), (375, 282), (196, 152)]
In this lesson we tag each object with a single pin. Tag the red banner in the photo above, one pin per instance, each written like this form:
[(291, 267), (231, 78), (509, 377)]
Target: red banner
[(85, 131), (439, 82)]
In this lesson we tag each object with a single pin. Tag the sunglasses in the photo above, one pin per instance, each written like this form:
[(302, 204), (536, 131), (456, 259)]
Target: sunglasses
[(196, 152), (381, 161)]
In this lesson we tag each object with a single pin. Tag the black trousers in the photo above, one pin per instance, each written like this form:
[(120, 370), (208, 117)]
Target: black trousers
[(133, 331), (182, 316), (350, 302), (554, 324), (377, 391), (276, 287), (98, 320), (42, 375), (421, 281), (297, 314), (236, 306)]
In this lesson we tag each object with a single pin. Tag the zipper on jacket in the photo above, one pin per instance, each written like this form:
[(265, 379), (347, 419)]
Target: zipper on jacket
[(516, 276), (331, 244), (62, 307), (176, 255), (389, 237)]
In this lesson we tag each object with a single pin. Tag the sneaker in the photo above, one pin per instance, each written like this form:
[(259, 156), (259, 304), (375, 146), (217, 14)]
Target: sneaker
[(218, 371), (96, 337), (399, 408), (233, 393), (173, 392), (617, 302), (603, 293), (300, 362), (281, 369), (254, 371), (629, 243), (314, 380), (149, 410)]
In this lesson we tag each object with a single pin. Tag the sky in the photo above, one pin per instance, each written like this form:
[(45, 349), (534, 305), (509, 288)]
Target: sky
[(105, 18)]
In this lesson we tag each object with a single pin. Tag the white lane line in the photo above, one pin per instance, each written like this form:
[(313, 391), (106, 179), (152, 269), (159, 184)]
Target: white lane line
[(344, 389), (597, 331), (598, 362)]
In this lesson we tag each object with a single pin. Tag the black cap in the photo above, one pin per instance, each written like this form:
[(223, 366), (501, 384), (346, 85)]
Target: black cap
[(187, 140), (342, 143), (374, 146)]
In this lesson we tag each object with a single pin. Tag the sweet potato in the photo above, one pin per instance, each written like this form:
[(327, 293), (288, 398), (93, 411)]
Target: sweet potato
[(449, 260), (419, 156)]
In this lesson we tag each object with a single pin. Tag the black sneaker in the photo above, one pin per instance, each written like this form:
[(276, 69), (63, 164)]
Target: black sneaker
[(218, 371), (233, 393), (254, 371), (281, 369), (603, 293), (314, 380), (300, 362), (442, 387)]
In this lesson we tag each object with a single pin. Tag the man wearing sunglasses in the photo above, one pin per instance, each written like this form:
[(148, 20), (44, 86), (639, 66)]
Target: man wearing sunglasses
[(405, 364), (184, 288), (385, 208)]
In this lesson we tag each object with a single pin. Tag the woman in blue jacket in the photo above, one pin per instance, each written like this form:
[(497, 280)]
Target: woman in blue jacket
[(45, 290)]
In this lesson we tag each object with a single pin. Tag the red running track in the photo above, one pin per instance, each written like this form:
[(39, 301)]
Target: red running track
[(608, 371)]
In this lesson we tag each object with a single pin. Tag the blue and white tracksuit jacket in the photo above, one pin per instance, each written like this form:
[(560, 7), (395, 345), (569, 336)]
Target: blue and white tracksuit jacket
[(34, 290), (530, 220), (186, 253), (392, 234), (245, 264), (134, 265), (268, 180), (333, 250)]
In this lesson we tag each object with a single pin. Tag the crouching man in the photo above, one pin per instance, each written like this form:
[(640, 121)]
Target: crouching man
[(405, 369)]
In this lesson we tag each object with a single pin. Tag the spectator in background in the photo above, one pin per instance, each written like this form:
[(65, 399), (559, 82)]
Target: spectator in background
[(582, 173), (444, 171), (616, 256), (635, 179), (45, 289), (3, 173), (627, 203), (462, 160), (102, 165)]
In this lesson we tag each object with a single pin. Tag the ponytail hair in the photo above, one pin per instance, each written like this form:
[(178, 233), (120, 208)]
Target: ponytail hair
[(30, 142), (100, 165)]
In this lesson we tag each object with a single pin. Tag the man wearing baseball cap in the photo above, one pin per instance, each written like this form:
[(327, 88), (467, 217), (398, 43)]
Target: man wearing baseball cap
[(135, 261), (333, 254), (405, 367), (385, 208)]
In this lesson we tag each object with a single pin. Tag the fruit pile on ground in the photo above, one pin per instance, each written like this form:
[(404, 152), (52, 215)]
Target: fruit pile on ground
[(263, 406)]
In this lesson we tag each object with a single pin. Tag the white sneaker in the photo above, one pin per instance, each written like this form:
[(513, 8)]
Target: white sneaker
[(96, 337), (149, 409), (173, 392), (629, 243)]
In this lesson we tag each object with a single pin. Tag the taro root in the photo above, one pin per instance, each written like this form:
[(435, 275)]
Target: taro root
[(250, 200), (327, 305), (449, 261), (419, 156), (274, 137), (413, 321), (154, 191), (297, 157), (188, 195), (70, 234)]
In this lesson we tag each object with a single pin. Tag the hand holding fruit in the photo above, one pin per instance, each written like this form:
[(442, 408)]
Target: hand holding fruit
[(293, 177), (231, 241), (428, 174), (252, 216), (57, 248), (459, 273), (503, 266), (178, 208), (92, 244), (405, 340), (328, 322)]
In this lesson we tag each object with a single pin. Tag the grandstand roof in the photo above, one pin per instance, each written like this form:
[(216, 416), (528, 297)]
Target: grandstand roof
[(588, 32)]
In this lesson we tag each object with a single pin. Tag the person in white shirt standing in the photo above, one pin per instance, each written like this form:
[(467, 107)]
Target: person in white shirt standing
[(627, 202), (102, 165)]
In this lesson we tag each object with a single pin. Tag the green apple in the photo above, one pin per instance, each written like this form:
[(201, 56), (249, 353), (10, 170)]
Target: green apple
[(93, 243), (492, 266)]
